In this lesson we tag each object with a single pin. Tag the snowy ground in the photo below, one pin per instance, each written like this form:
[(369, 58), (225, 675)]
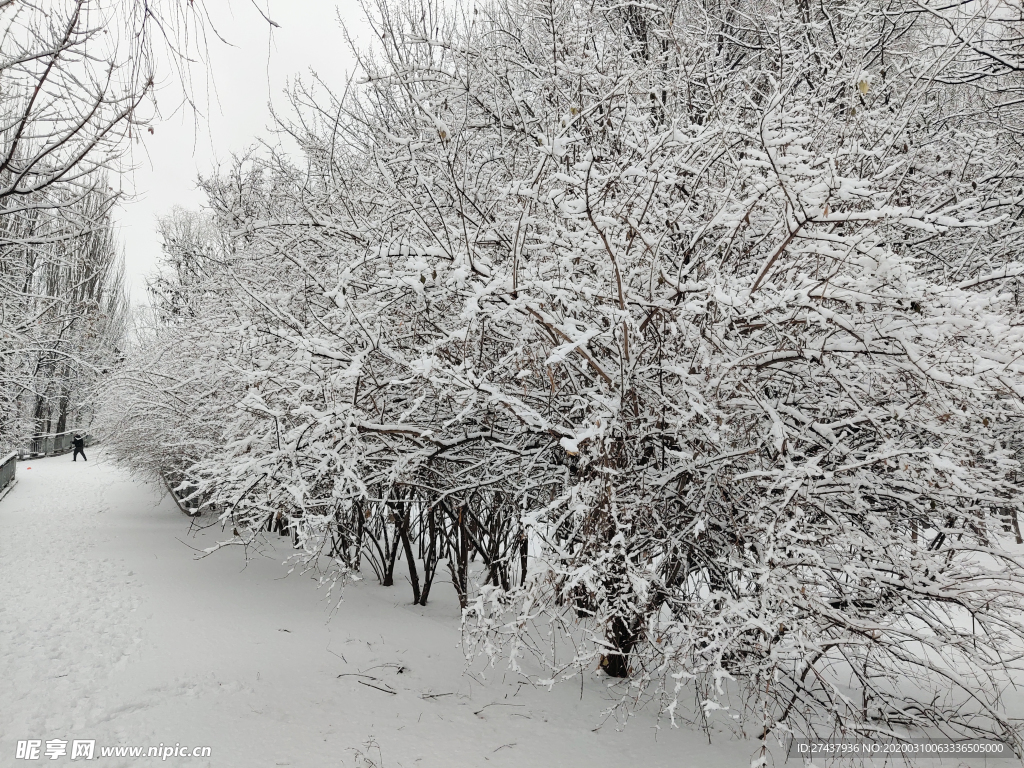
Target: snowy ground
[(111, 629)]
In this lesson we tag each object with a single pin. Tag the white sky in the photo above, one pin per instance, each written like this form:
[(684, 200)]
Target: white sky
[(245, 79)]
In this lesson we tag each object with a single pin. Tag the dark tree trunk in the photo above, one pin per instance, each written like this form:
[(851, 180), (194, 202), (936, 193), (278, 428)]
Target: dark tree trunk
[(402, 526), (429, 549), (458, 559), (392, 556), (623, 637)]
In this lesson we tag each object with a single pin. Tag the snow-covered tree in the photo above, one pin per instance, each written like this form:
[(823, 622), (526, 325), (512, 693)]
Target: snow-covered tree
[(63, 304)]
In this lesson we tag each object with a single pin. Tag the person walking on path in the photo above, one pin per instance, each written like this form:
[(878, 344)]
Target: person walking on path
[(79, 444)]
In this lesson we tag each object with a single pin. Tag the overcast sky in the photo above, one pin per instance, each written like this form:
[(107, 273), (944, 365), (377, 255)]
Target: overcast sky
[(247, 76)]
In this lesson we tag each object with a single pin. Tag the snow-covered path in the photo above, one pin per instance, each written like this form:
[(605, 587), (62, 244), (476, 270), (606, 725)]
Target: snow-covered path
[(111, 629)]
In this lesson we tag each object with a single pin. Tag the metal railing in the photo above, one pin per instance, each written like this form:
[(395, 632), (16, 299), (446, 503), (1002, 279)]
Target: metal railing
[(7, 467), (53, 444)]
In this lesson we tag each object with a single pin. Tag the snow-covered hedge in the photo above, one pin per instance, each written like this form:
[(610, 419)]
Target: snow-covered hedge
[(696, 322)]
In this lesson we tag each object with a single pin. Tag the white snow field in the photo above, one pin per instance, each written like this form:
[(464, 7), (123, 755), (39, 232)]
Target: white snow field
[(111, 629)]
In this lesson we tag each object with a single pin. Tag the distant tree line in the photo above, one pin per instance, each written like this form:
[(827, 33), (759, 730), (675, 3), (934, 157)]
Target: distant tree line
[(76, 86)]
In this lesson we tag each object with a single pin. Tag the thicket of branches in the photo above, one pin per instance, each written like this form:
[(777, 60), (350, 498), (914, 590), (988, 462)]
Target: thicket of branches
[(695, 323)]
